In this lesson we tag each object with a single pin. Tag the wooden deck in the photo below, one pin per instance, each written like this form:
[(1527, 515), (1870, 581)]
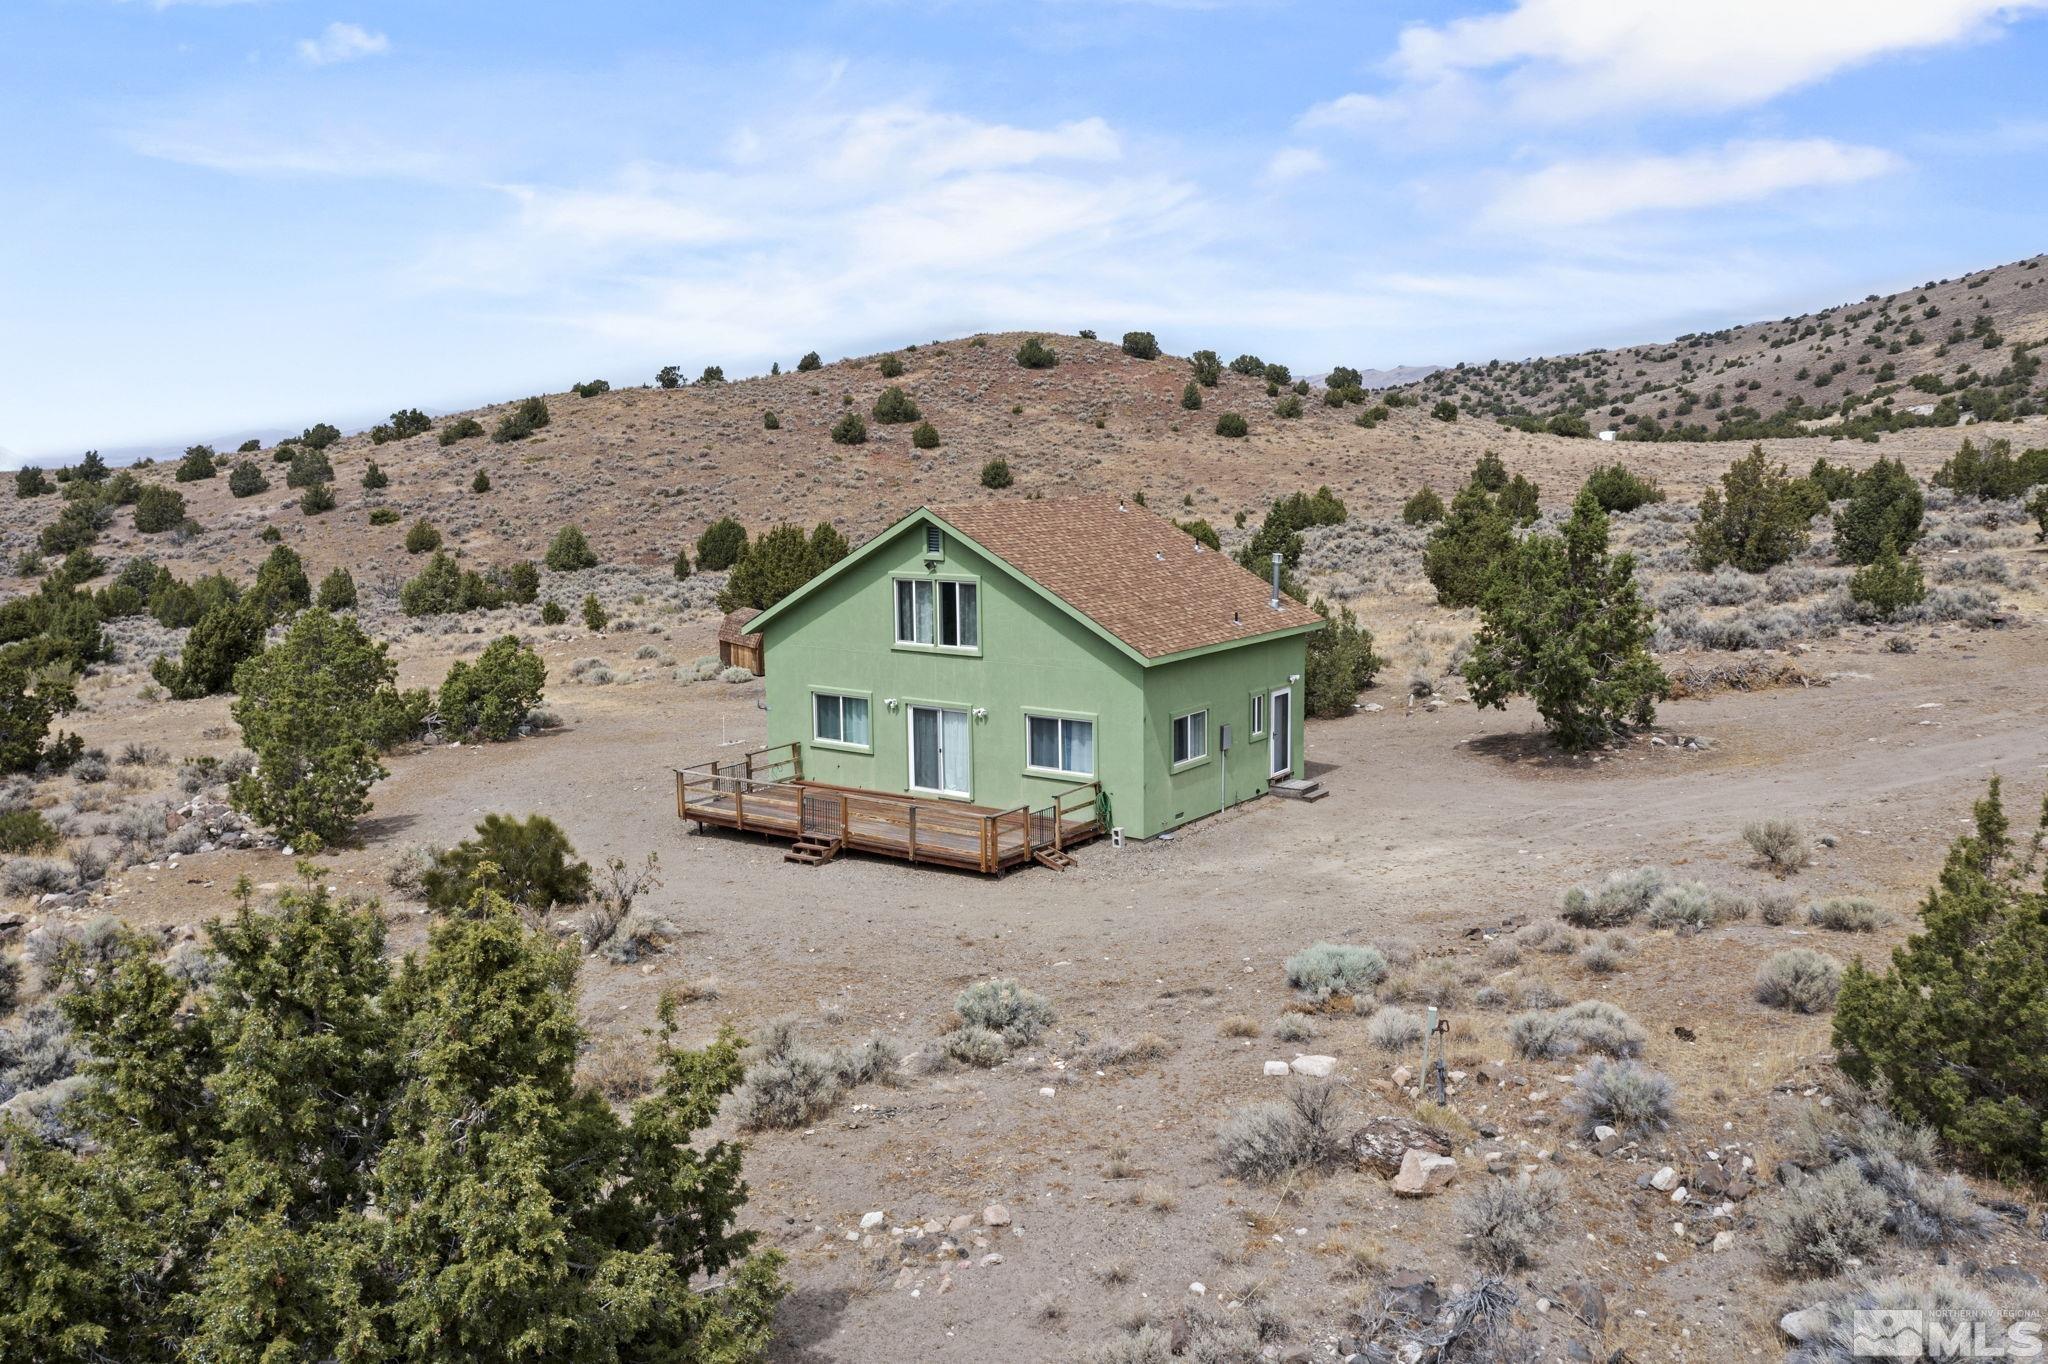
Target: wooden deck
[(765, 792)]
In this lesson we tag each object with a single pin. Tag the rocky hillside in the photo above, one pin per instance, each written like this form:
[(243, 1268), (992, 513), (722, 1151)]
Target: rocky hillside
[(1879, 364)]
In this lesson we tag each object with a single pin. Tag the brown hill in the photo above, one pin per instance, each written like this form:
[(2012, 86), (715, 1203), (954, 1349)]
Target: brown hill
[(1874, 360)]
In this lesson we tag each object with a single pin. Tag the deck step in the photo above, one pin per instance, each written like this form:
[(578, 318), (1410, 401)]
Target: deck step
[(813, 852), (1297, 788), (1052, 857)]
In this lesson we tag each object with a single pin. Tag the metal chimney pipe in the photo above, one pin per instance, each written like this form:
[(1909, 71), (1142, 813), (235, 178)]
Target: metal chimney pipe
[(1276, 580)]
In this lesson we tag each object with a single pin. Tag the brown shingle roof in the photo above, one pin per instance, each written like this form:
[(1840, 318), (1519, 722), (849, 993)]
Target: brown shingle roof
[(1135, 574), (733, 629)]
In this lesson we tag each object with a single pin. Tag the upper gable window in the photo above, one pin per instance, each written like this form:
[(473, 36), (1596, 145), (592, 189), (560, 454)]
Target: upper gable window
[(939, 613)]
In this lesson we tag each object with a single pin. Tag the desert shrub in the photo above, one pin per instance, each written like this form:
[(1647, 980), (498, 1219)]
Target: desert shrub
[(1799, 980), (10, 985), (1823, 1222), (1889, 583), (337, 591), (569, 551), (159, 509), (1937, 1294), (1755, 519), (1191, 397), (1923, 1206), (976, 1046), (1336, 969), (1269, 1141), (1632, 1099), (552, 613), (1142, 345), (1288, 407), (247, 480), (1886, 505), (1617, 488), (31, 481), (317, 498), (1590, 1025), (383, 516), (1779, 844), (26, 831), (894, 407), (1207, 368), (1618, 900), (1232, 425), (1845, 914), (1690, 907), (490, 698), (1423, 508), (1395, 1029), (36, 876), (422, 537), (1035, 354), (1005, 1007), (850, 430), (462, 428), (530, 862), (1504, 1221), (996, 474), (36, 1049), (925, 436), (1293, 1028)]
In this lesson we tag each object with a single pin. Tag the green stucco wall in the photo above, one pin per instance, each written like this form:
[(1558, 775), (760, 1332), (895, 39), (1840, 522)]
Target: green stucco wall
[(1033, 657)]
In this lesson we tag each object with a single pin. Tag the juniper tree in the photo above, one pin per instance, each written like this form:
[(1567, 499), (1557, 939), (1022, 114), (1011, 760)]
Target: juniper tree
[(314, 708), (490, 698), (1754, 520), (316, 1157), (1562, 622), (1463, 551), (1954, 1033), (1885, 504), (721, 545)]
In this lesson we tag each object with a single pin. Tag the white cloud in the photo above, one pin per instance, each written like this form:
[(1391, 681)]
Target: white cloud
[(340, 42), (1594, 190), (1548, 61), (1291, 163)]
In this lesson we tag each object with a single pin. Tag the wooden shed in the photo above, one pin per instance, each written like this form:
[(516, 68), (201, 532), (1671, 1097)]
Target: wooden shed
[(736, 647)]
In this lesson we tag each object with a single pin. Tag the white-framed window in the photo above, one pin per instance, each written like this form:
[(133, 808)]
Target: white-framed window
[(1258, 714), (1055, 743), (840, 719), (1190, 737), (943, 613)]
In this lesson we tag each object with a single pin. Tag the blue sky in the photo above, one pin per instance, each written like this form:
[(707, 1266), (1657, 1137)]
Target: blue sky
[(226, 216)]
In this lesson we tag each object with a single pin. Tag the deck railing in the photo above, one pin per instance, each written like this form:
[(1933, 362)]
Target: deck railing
[(764, 791)]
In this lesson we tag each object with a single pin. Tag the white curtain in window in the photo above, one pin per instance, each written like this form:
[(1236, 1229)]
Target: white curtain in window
[(1077, 746), (953, 751), (855, 726)]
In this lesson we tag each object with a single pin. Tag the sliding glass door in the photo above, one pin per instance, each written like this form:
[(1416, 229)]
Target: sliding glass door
[(939, 751)]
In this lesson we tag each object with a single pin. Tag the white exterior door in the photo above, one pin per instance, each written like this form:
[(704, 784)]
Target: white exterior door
[(1280, 728), (939, 751)]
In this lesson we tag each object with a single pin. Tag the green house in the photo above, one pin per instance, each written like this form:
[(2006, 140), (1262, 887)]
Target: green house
[(996, 653)]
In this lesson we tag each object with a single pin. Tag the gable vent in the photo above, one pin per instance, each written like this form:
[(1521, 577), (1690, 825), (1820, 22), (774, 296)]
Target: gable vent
[(934, 543)]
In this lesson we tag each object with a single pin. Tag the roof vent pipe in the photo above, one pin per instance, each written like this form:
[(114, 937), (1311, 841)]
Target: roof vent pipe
[(1276, 580)]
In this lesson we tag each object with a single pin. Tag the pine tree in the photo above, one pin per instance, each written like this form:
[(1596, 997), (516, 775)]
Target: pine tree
[(1563, 623)]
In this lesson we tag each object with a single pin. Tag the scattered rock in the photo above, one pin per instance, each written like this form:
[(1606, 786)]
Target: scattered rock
[(1665, 1180), (995, 1215), (1382, 1144), (870, 1221), (1424, 1173), (1804, 1324), (1315, 1067), (1276, 1068), (1586, 1302), (1413, 1293)]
